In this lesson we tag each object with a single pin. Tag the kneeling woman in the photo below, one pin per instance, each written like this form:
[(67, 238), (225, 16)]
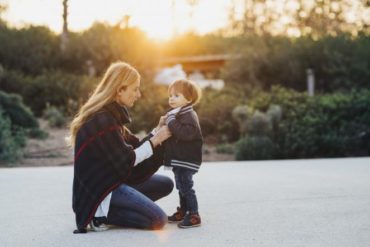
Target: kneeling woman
[(113, 179)]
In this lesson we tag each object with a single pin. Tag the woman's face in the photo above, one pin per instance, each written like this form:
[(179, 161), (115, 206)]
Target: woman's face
[(128, 96)]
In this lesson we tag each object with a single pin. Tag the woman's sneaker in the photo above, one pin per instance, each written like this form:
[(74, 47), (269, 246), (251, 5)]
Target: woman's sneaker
[(97, 224), (177, 217), (190, 220)]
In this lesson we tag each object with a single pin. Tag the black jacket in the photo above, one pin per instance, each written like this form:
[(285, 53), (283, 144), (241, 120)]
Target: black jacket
[(104, 159), (184, 147)]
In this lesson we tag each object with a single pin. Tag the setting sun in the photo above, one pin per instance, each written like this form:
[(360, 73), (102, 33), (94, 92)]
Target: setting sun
[(163, 19), (159, 19)]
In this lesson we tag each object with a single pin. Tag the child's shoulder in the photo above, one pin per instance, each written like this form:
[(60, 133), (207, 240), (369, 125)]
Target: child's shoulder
[(190, 116)]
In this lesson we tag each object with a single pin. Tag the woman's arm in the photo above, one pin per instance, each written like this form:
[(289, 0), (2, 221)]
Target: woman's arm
[(143, 152), (135, 142), (146, 149), (147, 167), (162, 134)]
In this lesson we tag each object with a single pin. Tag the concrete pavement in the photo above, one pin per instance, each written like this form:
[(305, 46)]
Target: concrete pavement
[(321, 202)]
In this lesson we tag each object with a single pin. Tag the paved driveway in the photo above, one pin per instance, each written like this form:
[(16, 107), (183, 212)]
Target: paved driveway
[(323, 202)]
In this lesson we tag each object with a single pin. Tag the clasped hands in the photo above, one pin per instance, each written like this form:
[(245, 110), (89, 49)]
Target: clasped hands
[(162, 132)]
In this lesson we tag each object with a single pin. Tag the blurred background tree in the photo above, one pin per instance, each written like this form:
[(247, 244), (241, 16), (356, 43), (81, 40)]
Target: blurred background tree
[(299, 17), (272, 44)]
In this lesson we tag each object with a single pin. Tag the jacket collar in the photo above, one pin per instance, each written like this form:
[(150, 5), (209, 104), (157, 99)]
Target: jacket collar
[(185, 109), (181, 110), (120, 113)]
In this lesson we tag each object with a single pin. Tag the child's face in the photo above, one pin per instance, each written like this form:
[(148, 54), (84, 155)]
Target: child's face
[(177, 99)]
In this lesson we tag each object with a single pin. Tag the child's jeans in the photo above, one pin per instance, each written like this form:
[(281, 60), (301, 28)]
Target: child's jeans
[(184, 184)]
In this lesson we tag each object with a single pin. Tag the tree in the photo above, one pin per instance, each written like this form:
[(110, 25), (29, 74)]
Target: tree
[(192, 4), (3, 8), (64, 36), (300, 17)]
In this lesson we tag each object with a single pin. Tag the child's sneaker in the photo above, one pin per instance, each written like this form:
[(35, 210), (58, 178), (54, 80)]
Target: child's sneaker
[(190, 220), (97, 224), (178, 216)]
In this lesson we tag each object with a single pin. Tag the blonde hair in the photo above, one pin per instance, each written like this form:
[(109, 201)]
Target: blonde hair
[(119, 75), (188, 88)]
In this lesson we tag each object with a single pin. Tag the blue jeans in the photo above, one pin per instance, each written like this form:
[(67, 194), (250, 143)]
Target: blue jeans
[(184, 184), (133, 206)]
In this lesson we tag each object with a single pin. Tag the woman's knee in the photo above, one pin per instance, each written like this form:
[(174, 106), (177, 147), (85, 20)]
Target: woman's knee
[(165, 185), (160, 222), (168, 185)]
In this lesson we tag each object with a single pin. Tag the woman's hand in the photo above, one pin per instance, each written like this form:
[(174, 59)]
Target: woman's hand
[(162, 134), (162, 121)]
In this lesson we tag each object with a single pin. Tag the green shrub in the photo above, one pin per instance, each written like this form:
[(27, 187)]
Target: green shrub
[(54, 117), (260, 124), (19, 114), (320, 126), (11, 141), (57, 88), (242, 114), (254, 148), (37, 133), (257, 143), (225, 148), (339, 62), (215, 113)]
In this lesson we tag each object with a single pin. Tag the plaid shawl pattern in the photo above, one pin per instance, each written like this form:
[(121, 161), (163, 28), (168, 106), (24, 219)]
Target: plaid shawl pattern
[(104, 159)]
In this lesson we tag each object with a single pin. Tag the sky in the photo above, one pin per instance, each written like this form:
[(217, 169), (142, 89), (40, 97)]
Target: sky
[(158, 18)]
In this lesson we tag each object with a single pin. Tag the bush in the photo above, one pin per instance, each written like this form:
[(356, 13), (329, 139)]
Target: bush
[(257, 144), (215, 113), (54, 117), (242, 114), (254, 148), (225, 148), (31, 50), (57, 89), (18, 113), (63, 90), (339, 63), (11, 141), (320, 126), (20, 116), (37, 134)]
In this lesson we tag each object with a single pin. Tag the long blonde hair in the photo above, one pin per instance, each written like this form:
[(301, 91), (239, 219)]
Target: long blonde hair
[(118, 75)]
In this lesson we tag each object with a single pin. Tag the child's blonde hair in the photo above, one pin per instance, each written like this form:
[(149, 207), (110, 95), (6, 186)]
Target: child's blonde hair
[(188, 88)]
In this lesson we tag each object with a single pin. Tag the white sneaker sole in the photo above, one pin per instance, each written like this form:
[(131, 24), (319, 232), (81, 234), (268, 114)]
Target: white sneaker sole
[(100, 228)]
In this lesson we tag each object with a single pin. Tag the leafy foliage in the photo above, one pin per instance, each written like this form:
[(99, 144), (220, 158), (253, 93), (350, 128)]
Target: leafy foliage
[(54, 116), (254, 148), (11, 141), (339, 63), (18, 113), (30, 50), (321, 126), (328, 125)]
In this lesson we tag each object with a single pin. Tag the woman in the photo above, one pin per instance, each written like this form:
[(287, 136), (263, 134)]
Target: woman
[(113, 171)]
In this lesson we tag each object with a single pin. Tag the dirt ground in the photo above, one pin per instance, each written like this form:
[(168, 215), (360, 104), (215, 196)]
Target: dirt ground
[(54, 152)]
